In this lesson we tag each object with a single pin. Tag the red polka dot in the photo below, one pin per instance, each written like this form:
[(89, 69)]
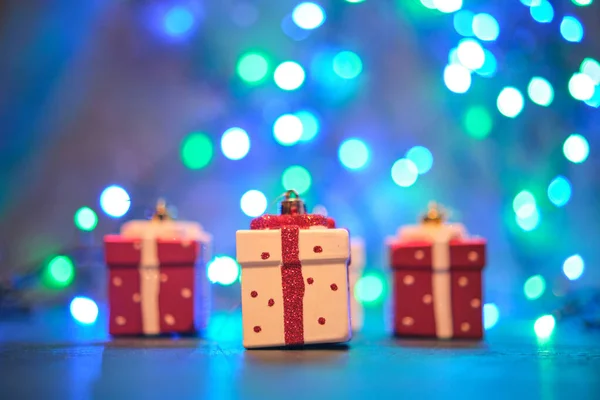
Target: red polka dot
[(257, 329), (333, 287), (254, 293), (271, 302), (265, 255), (310, 281), (318, 249), (322, 321)]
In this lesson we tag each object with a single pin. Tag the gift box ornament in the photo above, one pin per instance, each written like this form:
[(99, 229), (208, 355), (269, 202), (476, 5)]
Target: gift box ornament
[(437, 288), (157, 281), (294, 278)]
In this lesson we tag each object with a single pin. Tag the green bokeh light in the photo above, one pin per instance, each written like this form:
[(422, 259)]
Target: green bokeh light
[(86, 219), (296, 178), (310, 125), (196, 151), (347, 65), (370, 289), (523, 203), (59, 272), (252, 67), (534, 287), (353, 154), (478, 122)]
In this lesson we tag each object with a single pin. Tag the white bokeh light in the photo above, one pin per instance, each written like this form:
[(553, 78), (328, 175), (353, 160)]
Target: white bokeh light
[(223, 270), (288, 129), (289, 75), (470, 54), (115, 201), (448, 6), (510, 102), (308, 15), (235, 143), (581, 87), (253, 203), (457, 78), (84, 310)]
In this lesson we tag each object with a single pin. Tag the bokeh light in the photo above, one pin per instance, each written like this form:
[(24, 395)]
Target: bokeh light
[(582, 3), (84, 310), (252, 68), (287, 129), (559, 191), (571, 29), (421, 157), (543, 12), (115, 201), (310, 125), (488, 69), (59, 272), (591, 68), (576, 148), (296, 178), (581, 86), (448, 6), (178, 21), (223, 270), (523, 203), (429, 4), (477, 122), (308, 15), (540, 91), (404, 172), (530, 221), (544, 326), (86, 219), (253, 203), (196, 150), (595, 100), (457, 78), (573, 267), (530, 3), (485, 27), (470, 54), (347, 65), (353, 154), (235, 143), (369, 289), (534, 287), (510, 102), (289, 75), (491, 315), (463, 23)]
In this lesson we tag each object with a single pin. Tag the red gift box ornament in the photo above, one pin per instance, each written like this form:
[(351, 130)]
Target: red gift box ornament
[(294, 278), (437, 279), (157, 283)]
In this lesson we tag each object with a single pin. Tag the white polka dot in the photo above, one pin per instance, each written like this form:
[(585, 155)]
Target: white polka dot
[(408, 321), (164, 278), (473, 256), (186, 293), (120, 320), (117, 281), (169, 319), (408, 280), (463, 281), (465, 326), (137, 298), (137, 245), (419, 254), (475, 303), (427, 299)]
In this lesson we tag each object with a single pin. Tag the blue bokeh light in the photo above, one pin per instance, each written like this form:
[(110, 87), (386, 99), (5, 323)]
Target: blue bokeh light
[(178, 21), (571, 29), (463, 23), (559, 191), (491, 315), (421, 157), (488, 69), (542, 12)]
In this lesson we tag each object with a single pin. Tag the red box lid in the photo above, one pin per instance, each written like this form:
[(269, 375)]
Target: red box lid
[(121, 251), (464, 254)]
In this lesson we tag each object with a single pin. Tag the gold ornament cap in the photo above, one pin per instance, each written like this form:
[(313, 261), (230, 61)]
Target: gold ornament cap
[(292, 204), (161, 212), (435, 215)]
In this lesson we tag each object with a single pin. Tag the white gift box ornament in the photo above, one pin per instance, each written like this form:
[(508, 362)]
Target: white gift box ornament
[(357, 266), (295, 284)]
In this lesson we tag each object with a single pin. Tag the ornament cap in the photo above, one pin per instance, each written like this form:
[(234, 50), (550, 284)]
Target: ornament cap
[(161, 212), (435, 215), (292, 204)]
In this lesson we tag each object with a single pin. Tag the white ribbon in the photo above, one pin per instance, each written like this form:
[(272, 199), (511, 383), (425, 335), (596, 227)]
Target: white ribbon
[(440, 236), (149, 266)]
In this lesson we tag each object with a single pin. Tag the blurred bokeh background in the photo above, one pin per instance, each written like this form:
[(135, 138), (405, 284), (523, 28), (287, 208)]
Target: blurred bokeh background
[(370, 109)]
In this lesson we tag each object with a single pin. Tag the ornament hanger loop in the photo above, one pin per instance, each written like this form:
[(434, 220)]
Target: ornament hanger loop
[(161, 213)]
